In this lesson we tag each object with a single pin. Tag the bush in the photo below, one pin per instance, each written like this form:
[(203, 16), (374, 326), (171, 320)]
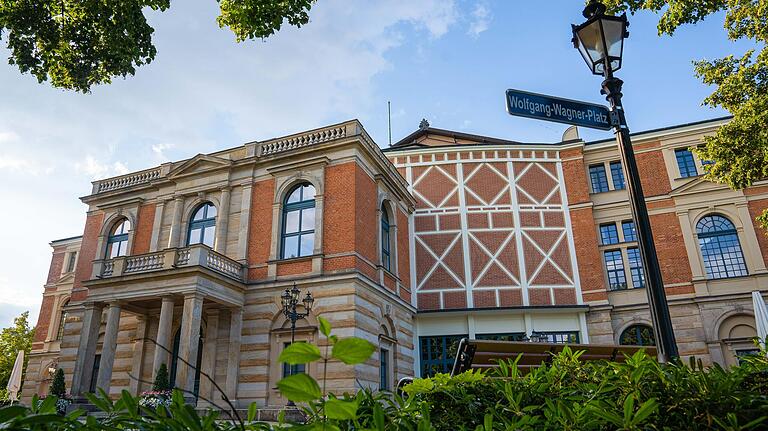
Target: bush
[(570, 394)]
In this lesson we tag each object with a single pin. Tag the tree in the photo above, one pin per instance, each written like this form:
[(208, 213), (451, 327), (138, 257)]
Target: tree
[(12, 339), (161, 382), (739, 149), (58, 387), (76, 44)]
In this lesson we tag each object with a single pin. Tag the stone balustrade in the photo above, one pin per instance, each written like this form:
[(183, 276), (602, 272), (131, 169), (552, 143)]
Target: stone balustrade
[(124, 181), (302, 140), (194, 255)]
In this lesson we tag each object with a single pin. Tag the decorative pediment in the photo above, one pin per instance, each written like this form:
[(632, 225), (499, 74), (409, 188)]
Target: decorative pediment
[(67, 278), (199, 164), (696, 185)]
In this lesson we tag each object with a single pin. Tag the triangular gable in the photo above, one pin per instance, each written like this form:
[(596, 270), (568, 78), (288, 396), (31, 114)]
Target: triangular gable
[(199, 163), (698, 184)]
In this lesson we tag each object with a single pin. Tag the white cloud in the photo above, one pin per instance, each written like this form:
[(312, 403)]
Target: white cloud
[(481, 20), (203, 93)]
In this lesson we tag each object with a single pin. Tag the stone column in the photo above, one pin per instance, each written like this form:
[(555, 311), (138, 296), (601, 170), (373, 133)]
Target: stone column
[(108, 347), (178, 208), (208, 365), (137, 361), (245, 219), (233, 361), (163, 339), (188, 342), (86, 351), (222, 223)]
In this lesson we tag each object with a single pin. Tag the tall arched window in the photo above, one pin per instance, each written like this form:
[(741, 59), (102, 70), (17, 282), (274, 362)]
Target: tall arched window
[(202, 227), (117, 241), (385, 240), (62, 319), (298, 236), (720, 247), (637, 335)]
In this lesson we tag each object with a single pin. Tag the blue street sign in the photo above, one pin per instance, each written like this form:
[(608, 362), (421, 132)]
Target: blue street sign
[(548, 108)]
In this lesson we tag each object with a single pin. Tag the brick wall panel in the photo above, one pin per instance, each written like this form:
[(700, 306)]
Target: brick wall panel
[(44, 319), (260, 229), (590, 262), (57, 265), (756, 208), (93, 223), (668, 238), (366, 210), (655, 181), (143, 236), (339, 225)]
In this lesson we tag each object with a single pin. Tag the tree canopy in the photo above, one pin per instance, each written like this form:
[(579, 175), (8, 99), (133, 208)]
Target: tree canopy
[(12, 339), (76, 44), (739, 149)]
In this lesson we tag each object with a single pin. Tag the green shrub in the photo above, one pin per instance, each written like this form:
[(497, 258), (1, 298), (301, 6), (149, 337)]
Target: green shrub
[(162, 382), (58, 386)]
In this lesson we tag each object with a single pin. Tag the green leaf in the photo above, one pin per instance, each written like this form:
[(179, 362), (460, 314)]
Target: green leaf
[(325, 327), (299, 387), (340, 409), (353, 350), (646, 409), (300, 353), (252, 410), (378, 417)]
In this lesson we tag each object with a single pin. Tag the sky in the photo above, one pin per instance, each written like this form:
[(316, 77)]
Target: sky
[(449, 61)]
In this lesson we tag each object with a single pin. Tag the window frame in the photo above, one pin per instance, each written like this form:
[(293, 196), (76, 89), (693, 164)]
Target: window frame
[(637, 329), (721, 260), (62, 318), (121, 239), (444, 361), (202, 224), (633, 271), (386, 239), (611, 170), (595, 172), (688, 163), (301, 206), (617, 174)]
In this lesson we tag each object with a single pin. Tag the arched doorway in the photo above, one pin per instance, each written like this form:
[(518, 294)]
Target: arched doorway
[(175, 360)]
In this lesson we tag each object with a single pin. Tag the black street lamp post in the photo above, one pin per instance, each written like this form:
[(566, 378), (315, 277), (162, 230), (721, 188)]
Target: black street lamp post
[(600, 40), (290, 300)]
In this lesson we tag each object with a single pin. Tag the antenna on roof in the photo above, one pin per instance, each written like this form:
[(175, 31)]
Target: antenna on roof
[(389, 116)]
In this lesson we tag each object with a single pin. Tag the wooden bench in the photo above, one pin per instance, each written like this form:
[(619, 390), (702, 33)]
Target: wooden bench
[(486, 354)]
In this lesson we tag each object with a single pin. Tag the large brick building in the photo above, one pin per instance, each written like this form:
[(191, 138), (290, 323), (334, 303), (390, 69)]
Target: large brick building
[(441, 236)]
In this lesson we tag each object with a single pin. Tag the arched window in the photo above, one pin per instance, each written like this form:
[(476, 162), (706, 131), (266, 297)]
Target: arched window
[(117, 241), (385, 240), (298, 236), (637, 335), (202, 228), (720, 247), (62, 319)]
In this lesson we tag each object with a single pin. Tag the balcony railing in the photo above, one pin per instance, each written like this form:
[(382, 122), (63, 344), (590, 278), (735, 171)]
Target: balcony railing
[(195, 255)]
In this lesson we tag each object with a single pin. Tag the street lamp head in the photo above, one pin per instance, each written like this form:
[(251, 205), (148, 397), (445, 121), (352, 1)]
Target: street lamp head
[(308, 301), (600, 40), (295, 294), (285, 298)]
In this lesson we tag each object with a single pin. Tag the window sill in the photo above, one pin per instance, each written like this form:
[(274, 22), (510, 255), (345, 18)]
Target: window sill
[(388, 272), (295, 259)]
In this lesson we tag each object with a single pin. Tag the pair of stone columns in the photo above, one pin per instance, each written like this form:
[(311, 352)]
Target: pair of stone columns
[(86, 352), (188, 345)]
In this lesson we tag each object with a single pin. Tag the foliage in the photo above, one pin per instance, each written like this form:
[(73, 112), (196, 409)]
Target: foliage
[(12, 339), (58, 387), (162, 382), (76, 44), (739, 149)]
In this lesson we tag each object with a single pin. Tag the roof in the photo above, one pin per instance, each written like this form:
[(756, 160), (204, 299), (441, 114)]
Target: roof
[(411, 140), (71, 238)]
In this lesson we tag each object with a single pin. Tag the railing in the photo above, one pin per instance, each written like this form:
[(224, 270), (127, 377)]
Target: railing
[(141, 177), (195, 255), (305, 140)]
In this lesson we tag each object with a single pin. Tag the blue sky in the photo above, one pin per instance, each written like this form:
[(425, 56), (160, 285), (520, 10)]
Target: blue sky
[(447, 61)]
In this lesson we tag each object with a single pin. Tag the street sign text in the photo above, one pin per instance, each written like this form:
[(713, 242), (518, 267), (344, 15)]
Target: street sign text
[(549, 108)]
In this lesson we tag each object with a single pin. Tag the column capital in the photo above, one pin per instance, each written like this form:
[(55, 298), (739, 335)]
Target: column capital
[(167, 298), (195, 295)]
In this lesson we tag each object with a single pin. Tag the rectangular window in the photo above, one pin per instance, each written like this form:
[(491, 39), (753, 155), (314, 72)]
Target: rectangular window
[(557, 337), (636, 267), (685, 163), (438, 353), (509, 336), (598, 178), (628, 228), (614, 266), (609, 234), (290, 370), (71, 261), (617, 175), (384, 370)]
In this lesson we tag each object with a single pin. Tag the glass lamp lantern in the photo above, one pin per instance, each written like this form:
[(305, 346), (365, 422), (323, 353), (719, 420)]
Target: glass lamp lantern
[(308, 301), (600, 40)]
